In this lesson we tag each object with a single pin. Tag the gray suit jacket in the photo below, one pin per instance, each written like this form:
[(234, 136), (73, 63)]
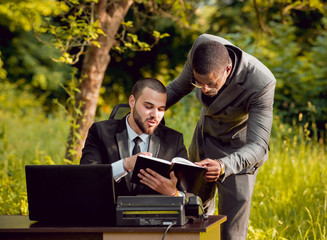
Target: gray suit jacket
[(236, 126), (107, 142)]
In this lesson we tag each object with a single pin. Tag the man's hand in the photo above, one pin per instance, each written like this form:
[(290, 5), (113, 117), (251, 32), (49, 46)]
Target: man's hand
[(213, 169), (159, 183), (129, 162)]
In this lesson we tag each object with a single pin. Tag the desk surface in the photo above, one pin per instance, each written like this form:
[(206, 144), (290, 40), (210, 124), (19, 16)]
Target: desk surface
[(18, 223)]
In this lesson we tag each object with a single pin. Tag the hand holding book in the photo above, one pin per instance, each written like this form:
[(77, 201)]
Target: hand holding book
[(189, 174), (159, 183)]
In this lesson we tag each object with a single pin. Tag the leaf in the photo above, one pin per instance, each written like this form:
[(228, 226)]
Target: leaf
[(128, 24), (96, 43), (133, 36), (128, 45), (164, 35), (156, 34)]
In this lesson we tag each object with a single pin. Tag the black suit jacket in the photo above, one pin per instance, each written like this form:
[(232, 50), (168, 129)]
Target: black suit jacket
[(107, 142)]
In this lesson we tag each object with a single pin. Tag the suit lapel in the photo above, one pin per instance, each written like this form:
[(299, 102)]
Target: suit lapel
[(123, 149), (231, 92), (123, 144), (154, 144)]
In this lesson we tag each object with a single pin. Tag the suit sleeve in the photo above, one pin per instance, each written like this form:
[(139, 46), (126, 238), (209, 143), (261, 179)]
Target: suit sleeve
[(181, 86), (91, 153), (255, 152)]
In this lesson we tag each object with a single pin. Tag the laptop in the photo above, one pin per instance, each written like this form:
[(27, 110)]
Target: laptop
[(71, 194)]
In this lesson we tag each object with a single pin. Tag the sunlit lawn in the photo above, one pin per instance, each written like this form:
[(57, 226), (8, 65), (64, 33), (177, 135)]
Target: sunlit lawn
[(290, 193)]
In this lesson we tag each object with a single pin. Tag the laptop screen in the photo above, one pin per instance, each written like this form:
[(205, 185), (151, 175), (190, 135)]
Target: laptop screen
[(69, 194)]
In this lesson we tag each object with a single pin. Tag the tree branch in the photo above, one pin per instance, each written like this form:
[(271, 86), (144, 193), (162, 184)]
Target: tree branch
[(259, 20)]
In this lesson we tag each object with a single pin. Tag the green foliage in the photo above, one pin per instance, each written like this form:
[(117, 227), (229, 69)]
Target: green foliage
[(80, 27), (301, 75), (29, 60), (3, 72), (27, 136), (130, 41), (28, 14), (28, 128), (77, 29), (183, 117), (27, 63)]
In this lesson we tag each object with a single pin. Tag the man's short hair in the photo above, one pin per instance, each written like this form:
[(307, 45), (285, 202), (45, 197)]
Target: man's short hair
[(210, 57), (152, 83)]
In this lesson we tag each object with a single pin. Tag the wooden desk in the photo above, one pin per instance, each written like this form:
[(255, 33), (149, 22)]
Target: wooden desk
[(15, 227)]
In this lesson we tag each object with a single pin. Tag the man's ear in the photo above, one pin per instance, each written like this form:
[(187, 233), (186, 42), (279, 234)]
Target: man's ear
[(131, 101), (229, 69)]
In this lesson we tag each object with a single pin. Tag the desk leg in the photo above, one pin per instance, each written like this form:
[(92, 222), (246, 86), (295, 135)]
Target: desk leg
[(213, 232)]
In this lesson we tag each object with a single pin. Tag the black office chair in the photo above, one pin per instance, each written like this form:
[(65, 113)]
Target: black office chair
[(120, 111)]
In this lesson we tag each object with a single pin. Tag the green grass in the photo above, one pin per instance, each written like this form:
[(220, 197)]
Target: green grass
[(290, 196)]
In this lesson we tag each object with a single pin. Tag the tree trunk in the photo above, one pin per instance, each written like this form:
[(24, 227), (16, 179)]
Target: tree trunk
[(95, 63)]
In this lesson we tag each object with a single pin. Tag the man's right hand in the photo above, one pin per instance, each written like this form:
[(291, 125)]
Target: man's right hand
[(129, 162), (213, 169)]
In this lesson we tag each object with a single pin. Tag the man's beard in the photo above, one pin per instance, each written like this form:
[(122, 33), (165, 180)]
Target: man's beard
[(140, 124)]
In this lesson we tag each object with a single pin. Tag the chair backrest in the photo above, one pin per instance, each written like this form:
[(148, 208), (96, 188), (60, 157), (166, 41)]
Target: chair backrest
[(120, 111)]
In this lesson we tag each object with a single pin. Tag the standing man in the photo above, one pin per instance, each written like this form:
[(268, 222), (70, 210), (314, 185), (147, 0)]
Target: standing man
[(119, 142), (232, 135)]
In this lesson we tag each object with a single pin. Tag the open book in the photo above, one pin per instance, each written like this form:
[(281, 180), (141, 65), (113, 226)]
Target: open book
[(189, 174)]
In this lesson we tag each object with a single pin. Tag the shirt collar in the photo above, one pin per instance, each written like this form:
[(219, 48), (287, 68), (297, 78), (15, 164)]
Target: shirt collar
[(234, 59)]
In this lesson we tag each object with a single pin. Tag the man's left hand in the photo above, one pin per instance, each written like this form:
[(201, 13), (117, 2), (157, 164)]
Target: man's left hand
[(159, 183)]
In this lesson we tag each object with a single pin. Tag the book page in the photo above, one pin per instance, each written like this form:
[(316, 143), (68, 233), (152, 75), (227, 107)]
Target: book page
[(184, 162), (155, 159)]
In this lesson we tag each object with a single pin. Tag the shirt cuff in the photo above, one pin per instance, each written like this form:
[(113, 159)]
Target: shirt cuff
[(118, 170)]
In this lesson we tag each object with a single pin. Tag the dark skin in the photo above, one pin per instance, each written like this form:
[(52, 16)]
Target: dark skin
[(213, 169)]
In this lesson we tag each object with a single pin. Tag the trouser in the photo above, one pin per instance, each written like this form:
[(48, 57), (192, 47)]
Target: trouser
[(234, 201)]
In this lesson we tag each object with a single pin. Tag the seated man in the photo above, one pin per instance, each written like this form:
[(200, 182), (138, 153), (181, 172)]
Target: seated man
[(112, 142)]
